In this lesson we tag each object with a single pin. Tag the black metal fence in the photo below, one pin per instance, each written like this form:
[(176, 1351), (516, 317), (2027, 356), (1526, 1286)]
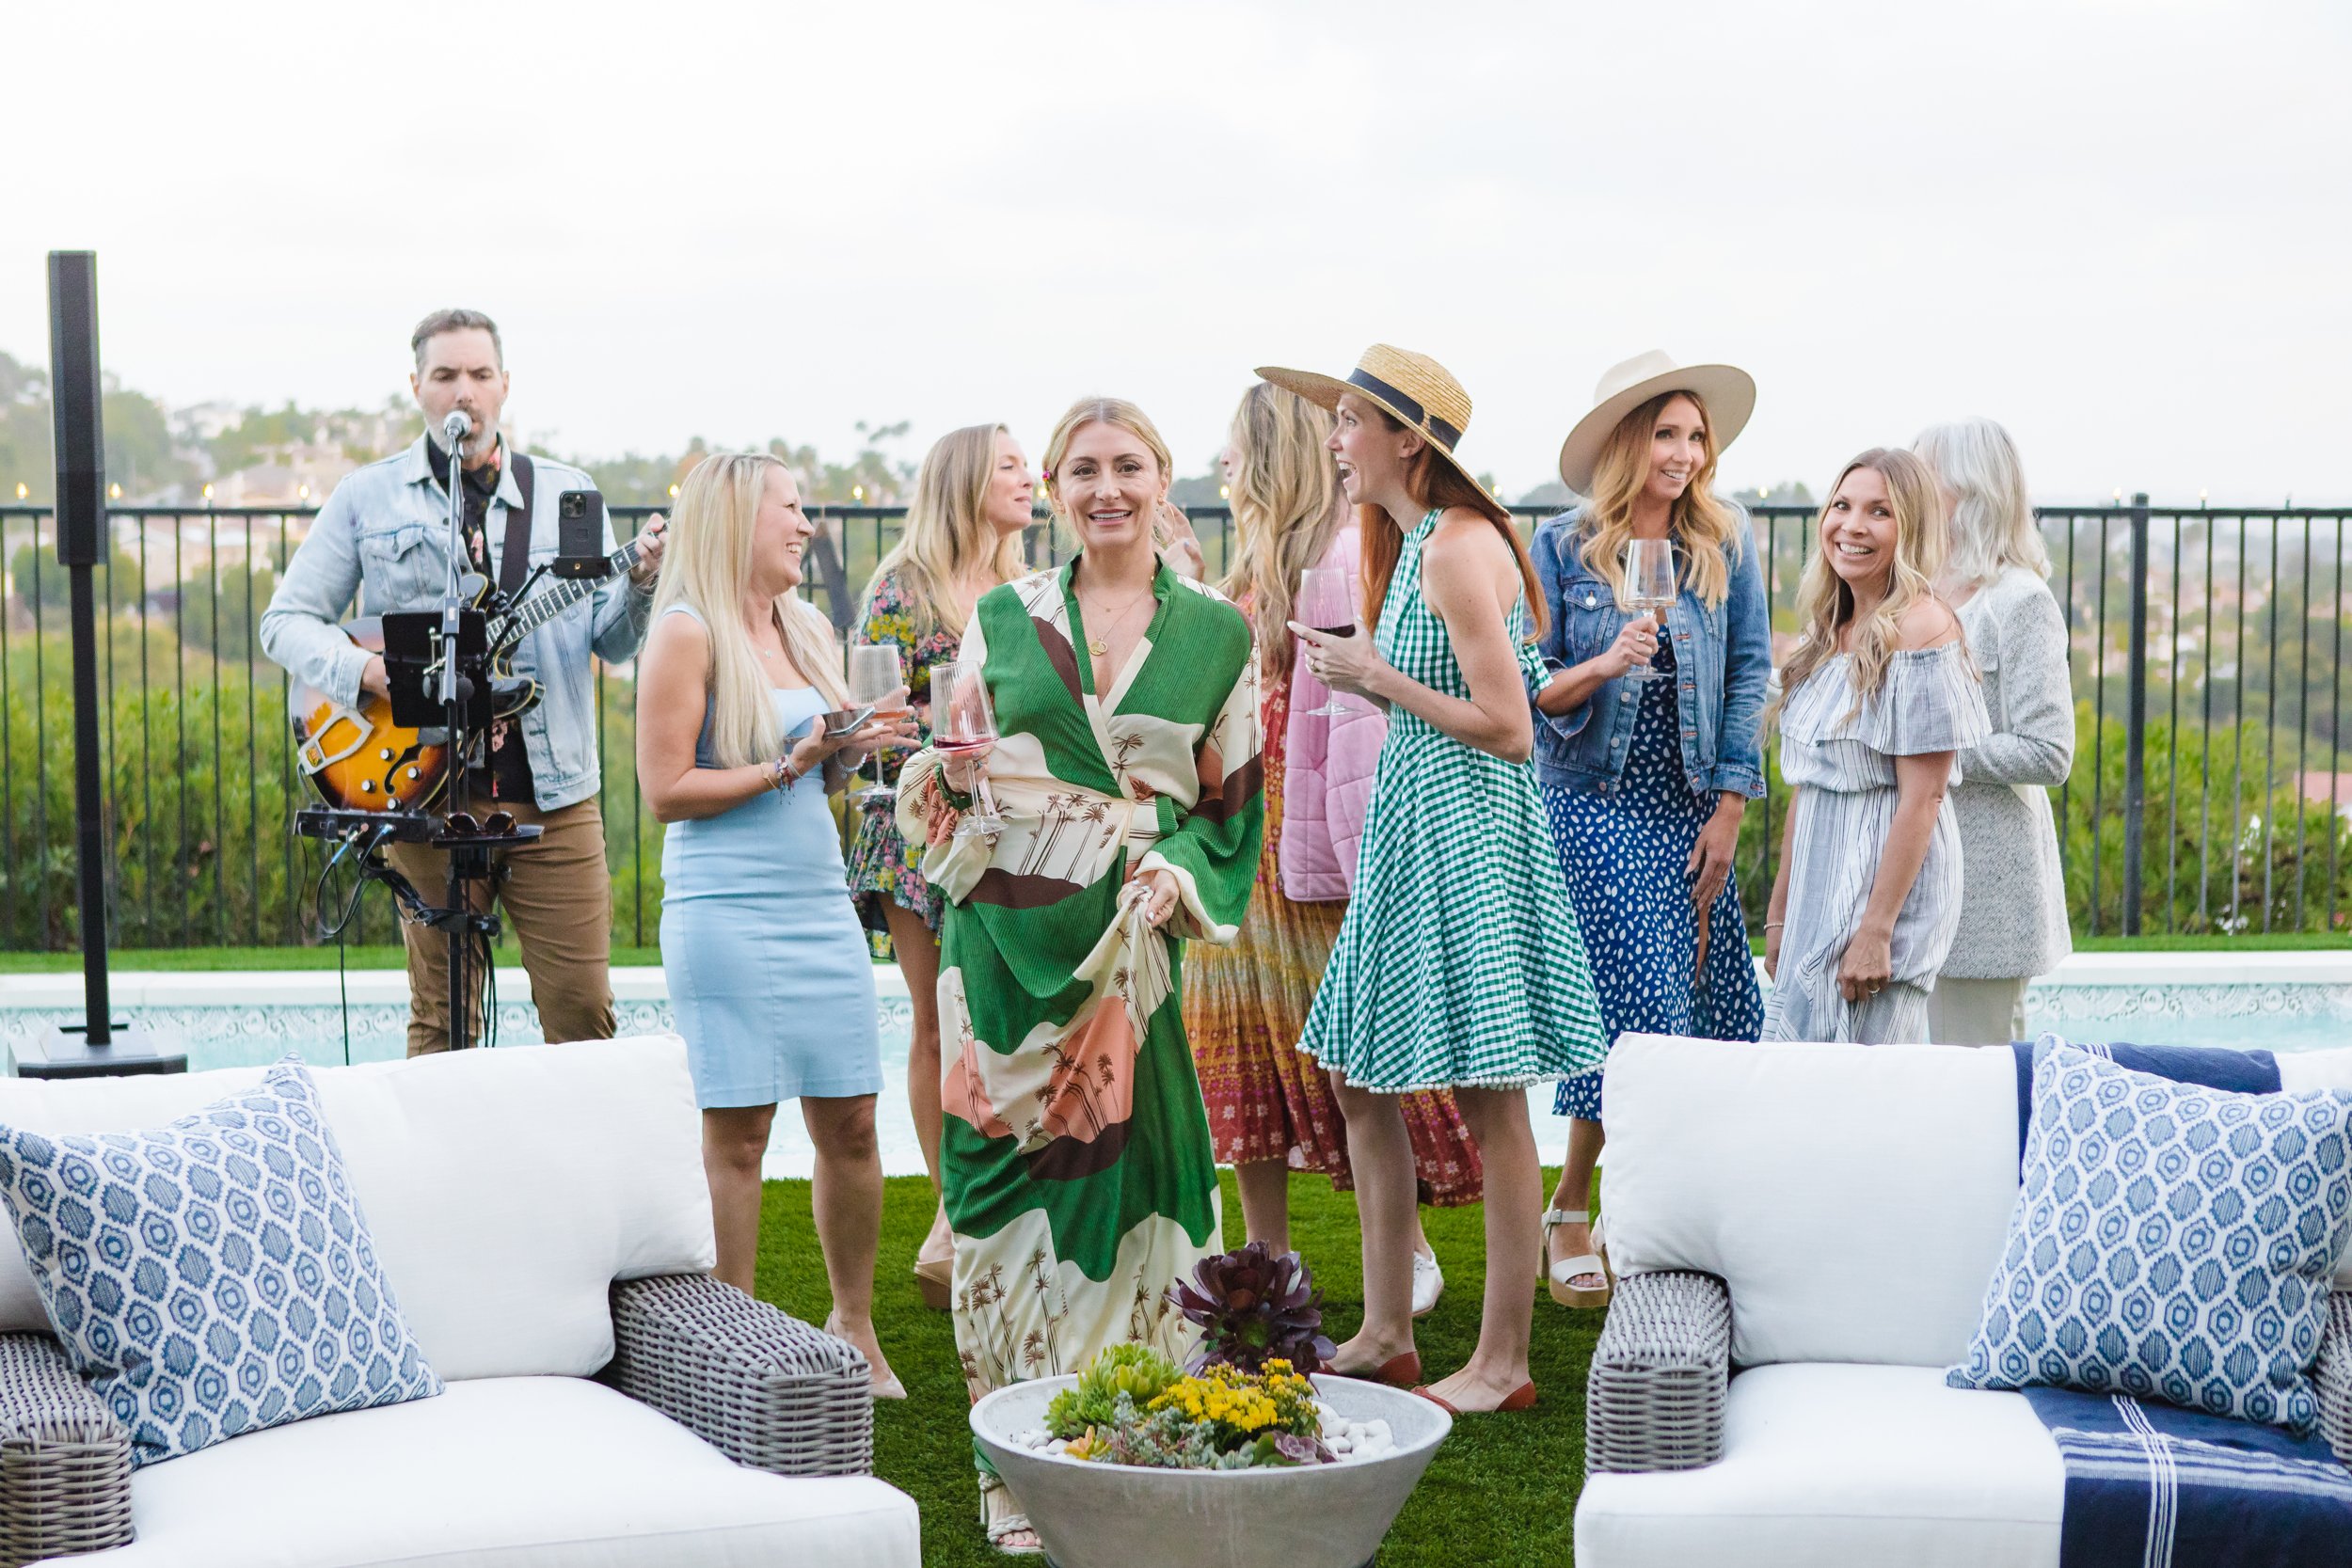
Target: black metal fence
[(2207, 793)]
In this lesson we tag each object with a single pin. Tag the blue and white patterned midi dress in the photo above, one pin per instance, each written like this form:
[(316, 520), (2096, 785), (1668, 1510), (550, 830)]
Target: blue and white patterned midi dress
[(1623, 854), (1839, 758), (1458, 964)]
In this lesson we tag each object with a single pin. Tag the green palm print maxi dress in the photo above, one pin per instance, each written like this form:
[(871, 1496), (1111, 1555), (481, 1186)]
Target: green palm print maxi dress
[(1459, 963), (1076, 1158)]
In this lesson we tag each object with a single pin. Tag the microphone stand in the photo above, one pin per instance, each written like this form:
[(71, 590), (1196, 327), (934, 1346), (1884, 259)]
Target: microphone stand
[(469, 858)]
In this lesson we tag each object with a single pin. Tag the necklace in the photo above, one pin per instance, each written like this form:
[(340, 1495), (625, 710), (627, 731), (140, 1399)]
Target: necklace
[(1099, 644)]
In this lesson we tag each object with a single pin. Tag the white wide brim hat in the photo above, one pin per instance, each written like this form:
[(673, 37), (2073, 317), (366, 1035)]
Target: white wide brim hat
[(1727, 392)]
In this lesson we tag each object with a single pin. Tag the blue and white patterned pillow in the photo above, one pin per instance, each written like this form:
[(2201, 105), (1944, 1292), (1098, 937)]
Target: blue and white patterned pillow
[(2170, 1241), (214, 1275)]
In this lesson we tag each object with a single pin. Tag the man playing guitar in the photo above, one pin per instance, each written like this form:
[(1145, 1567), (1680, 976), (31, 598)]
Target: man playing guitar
[(384, 534)]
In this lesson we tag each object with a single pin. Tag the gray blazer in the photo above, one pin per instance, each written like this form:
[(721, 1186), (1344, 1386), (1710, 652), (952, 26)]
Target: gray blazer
[(2013, 910)]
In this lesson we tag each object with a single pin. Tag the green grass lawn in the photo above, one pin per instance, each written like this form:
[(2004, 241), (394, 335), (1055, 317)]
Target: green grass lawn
[(1501, 1491)]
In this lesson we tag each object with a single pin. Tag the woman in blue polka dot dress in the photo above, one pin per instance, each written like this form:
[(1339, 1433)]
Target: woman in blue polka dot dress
[(1649, 749)]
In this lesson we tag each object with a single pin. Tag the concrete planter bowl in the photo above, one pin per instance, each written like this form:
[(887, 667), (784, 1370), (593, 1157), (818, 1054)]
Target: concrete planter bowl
[(1093, 1515)]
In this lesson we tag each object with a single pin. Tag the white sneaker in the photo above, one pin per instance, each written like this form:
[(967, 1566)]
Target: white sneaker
[(1428, 1284)]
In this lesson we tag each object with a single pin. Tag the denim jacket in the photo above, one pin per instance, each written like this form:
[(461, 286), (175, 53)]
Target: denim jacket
[(1723, 657), (385, 530)]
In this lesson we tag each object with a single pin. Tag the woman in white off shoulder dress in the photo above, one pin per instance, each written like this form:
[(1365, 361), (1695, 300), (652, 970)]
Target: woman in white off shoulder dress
[(1878, 700)]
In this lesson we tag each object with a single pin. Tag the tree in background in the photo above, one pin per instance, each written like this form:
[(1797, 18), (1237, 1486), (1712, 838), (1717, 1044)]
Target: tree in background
[(141, 456)]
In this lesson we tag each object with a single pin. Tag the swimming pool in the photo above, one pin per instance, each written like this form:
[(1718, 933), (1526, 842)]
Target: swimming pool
[(2272, 1001)]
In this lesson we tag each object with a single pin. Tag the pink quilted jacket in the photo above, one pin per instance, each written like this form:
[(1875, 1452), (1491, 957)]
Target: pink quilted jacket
[(1326, 778)]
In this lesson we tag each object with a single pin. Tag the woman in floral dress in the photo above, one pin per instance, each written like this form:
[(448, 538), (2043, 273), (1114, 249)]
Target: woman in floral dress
[(1271, 1110), (962, 538), (1125, 781)]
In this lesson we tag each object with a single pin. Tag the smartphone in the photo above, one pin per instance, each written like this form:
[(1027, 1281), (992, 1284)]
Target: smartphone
[(580, 528)]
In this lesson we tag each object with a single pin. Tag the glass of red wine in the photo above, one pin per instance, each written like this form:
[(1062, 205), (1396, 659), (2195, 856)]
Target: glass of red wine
[(1326, 601), (963, 725)]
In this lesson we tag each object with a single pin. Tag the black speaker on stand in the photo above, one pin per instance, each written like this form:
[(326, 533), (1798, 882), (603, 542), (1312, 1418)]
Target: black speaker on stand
[(103, 1044)]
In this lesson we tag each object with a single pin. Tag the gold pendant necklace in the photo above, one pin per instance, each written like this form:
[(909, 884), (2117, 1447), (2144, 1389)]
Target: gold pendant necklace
[(1100, 645)]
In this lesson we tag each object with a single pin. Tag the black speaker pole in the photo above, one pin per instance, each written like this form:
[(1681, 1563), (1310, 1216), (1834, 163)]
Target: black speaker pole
[(101, 1045)]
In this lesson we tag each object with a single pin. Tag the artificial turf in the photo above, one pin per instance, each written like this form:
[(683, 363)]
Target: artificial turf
[(1501, 1491)]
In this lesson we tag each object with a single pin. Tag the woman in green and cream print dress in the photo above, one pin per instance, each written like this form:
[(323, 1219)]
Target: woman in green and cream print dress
[(1075, 1157), (1459, 965)]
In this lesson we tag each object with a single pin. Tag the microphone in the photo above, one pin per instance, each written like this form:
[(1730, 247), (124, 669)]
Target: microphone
[(456, 428)]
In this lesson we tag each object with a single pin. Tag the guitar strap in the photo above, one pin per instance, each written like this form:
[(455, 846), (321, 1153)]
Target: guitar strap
[(515, 560)]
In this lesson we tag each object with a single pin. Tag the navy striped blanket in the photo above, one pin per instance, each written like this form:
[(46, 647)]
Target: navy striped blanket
[(2149, 1485)]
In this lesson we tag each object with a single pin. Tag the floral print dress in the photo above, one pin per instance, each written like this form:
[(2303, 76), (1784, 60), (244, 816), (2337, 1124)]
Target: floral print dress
[(883, 868)]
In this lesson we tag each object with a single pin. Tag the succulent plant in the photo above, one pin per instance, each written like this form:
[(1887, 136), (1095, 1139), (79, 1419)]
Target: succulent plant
[(1138, 1371), (1254, 1305)]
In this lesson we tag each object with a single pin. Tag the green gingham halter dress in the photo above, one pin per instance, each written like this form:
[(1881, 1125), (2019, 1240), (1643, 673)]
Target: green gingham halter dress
[(1459, 964)]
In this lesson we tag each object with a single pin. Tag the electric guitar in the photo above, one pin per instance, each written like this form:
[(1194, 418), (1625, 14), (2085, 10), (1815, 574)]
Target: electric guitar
[(359, 759)]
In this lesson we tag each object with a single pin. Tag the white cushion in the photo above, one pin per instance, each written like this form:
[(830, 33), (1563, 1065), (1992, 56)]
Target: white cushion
[(1837, 1464), (1854, 1197), (501, 1473), (506, 1189)]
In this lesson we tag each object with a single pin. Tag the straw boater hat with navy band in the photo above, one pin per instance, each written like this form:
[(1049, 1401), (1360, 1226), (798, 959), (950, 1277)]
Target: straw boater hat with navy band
[(1416, 390), (1728, 392)]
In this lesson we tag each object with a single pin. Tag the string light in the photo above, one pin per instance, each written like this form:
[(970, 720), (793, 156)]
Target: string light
[(21, 491), (304, 491), (1224, 492), (208, 492), (114, 492), (674, 492), (857, 492)]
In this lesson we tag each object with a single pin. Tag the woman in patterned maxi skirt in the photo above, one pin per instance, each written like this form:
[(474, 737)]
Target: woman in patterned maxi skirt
[(1075, 1153), (1459, 964)]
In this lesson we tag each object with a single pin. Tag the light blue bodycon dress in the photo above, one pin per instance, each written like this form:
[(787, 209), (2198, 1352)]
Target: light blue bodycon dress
[(770, 978)]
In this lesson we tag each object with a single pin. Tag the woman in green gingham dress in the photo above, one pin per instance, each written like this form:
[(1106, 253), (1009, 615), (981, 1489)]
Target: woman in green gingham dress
[(1459, 965)]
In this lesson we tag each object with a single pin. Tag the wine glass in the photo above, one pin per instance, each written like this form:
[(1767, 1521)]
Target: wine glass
[(963, 725), (875, 673), (1650, 587), (1326, 601)]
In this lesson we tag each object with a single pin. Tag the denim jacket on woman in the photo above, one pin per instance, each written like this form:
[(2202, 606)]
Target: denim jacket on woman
[(1723, 657)]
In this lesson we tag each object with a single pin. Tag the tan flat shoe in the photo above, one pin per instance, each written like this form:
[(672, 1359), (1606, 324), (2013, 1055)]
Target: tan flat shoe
[(936, 1278)]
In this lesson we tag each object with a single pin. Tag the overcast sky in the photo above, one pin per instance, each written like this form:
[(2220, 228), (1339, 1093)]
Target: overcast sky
[(2118, 226)]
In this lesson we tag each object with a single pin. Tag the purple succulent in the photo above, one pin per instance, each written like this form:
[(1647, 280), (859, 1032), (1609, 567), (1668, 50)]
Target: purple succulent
[(1302, 1451), (1253, 1307)]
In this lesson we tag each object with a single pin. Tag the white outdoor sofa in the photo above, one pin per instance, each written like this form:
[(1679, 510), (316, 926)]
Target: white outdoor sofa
[(1805, 1234), (541, 1215)]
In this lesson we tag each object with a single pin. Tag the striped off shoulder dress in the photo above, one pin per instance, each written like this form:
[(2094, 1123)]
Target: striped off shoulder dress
[(1840, 759)]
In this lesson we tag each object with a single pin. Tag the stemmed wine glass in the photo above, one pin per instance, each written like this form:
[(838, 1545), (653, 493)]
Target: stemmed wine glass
[(1326, 601), (963, 725), (875, 673), (1649, 588)]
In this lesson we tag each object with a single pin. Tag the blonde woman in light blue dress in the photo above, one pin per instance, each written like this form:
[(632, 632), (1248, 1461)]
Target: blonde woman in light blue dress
[(1876, 705)]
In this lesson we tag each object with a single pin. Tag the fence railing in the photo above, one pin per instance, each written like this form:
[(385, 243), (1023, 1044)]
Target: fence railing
[(2207, 793)]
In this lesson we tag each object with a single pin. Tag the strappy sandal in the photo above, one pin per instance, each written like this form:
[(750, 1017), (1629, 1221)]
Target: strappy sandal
[(1001, 1518), (1596, 1263)]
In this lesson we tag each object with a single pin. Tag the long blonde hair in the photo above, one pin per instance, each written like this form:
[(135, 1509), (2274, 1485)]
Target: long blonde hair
[(1825, 604), (947, 531), (1286, 508), (1086, 411), (705, 568), (1992, 525), (1708, 532)]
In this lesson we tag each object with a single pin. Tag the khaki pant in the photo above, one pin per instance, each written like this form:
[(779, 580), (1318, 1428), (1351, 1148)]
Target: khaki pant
[(1977, 1012), (558, 896)]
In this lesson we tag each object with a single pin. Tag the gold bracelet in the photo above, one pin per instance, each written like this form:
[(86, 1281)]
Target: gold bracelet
[(1775, 924)]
